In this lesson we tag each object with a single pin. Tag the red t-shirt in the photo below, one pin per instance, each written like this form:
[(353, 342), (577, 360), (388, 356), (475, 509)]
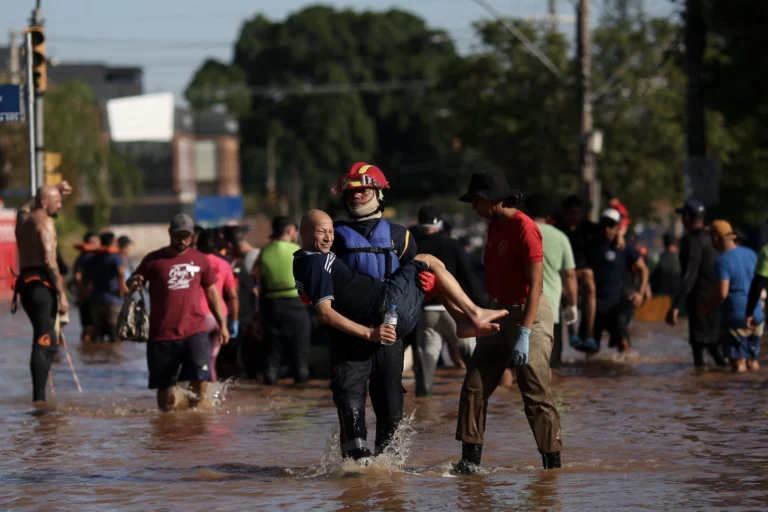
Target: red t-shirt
[(226, 281), (512, 244), (176, 282)]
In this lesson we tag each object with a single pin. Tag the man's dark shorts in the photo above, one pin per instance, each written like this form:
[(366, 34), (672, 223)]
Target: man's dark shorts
[(403, 290), (190, 355)]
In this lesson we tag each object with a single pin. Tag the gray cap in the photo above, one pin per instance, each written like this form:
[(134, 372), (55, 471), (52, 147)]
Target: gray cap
[(182, 223)]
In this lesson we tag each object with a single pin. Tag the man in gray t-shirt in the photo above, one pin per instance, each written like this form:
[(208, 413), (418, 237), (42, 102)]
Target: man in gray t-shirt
[(242, 350), (245, 288)]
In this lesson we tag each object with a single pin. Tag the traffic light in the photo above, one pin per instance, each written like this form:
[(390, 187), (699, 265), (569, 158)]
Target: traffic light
[(52, 162), (39, 68)]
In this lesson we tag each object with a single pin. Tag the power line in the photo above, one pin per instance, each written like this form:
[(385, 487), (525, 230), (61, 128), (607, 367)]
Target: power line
[(313, 90), (532, 48), (631, 60)]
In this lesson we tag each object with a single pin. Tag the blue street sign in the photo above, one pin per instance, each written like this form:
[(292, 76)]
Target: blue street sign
[(217, 210), (10, 103)]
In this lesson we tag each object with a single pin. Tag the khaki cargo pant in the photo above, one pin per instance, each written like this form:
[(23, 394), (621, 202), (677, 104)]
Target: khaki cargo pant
[(491, 358)]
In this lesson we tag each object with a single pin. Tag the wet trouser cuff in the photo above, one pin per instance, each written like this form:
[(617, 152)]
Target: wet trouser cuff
[(353, 444), (471, 452)]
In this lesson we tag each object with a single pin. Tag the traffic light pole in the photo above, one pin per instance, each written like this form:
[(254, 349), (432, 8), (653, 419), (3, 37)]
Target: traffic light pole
[(39, 147), (31, 119), (39, 114)]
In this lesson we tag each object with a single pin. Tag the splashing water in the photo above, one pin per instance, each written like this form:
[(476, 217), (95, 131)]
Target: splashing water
[(331, 460), (216, 394), (397, 452), (391, 459)]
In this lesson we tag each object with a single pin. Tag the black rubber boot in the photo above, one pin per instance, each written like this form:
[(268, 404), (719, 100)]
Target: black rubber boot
[(470, 458), (358, 453), (551, 460)]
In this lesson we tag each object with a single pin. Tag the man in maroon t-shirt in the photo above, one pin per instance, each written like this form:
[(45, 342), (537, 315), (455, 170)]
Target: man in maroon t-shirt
[(177, 276), (514, 272)]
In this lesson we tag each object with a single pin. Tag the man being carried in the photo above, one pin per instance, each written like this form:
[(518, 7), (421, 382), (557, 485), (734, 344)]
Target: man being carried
[(355, 303), (39, 285)]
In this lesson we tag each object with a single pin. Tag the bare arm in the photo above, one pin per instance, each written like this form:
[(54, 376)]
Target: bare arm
[(535, 272), (570, 286), (22, 213), (121, 281), (721, 293), (47, 234), (214, 303), (330, 316), (234, 302), (644, 274)]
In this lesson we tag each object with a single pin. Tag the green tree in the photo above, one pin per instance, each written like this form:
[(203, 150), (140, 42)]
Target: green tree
[(288, 67), (736, 97), (216, 83), (517, 114), (640, 106), (73, 127)]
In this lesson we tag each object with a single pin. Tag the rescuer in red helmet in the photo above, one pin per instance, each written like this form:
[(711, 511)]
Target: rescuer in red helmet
[(373, 246)]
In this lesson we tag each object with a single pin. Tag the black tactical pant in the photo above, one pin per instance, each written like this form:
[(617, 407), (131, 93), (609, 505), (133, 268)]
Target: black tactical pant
[(358, 368)]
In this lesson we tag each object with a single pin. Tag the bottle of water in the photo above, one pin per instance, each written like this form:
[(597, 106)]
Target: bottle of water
[(390, 317)]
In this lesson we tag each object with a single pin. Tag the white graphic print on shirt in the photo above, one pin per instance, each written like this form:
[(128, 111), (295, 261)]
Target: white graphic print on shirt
[(181, 275)]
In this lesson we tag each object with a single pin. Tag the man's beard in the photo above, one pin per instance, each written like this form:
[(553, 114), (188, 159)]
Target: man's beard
[(365, 211)]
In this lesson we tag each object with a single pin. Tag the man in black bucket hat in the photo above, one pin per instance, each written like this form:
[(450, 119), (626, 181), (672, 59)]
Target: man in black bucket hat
[(515, 281)]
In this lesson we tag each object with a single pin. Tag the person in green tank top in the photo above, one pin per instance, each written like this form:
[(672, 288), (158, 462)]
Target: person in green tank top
[(284, 317)]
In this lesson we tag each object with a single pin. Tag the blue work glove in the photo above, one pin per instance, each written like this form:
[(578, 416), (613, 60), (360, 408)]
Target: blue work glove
[(520, 350), (234, 327)]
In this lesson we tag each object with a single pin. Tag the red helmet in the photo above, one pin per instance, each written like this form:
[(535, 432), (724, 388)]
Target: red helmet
[(361, 175)]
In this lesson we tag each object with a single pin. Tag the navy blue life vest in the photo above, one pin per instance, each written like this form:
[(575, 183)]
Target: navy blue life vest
[(375, 255)]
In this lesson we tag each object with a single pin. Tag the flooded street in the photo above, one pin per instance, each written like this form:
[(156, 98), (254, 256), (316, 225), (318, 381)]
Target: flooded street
[(646, 435)]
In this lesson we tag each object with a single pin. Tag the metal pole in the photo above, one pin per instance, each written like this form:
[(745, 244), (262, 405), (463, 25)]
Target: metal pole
[(14, 59), (553, 14), (695, 44), (587, 160), (40, 146), (33, 183)]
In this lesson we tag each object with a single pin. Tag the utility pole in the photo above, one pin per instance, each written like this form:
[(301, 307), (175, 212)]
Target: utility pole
[(37, 21), (589, 189), (695, 42), (15, 67), (553, 14)]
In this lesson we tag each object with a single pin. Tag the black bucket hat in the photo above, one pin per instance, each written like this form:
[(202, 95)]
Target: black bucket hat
[(490, 184)]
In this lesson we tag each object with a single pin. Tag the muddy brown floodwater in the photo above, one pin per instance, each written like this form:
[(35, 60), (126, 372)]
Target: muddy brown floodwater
[(649, 434)]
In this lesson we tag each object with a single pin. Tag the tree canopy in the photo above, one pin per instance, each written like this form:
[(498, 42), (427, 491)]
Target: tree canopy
[(331, 87)]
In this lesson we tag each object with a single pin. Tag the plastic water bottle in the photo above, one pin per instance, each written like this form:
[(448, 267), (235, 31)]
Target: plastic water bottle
[(390, 317)]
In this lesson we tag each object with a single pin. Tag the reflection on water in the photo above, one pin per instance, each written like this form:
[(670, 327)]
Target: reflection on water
[(647, 433)]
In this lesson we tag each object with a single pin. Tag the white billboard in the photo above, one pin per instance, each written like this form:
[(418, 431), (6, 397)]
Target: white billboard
[(145, 118)]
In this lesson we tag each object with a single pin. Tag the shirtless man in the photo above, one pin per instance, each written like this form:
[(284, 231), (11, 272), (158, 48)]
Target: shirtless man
[(39, 284)]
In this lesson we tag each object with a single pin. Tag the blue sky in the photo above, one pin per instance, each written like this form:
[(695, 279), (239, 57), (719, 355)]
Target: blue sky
[(127, 32)]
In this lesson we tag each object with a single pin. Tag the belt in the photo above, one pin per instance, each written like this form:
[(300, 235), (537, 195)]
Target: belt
[(24, 277), (508, 306)]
